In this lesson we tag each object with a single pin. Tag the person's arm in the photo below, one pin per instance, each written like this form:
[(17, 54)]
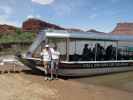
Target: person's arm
[(59, 56), (41, 55)]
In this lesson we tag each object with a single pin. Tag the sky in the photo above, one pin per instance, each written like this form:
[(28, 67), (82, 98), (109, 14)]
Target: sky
[(102, 15)]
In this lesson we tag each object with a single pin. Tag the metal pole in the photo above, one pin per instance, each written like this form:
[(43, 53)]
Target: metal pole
[(75, 47), (104, 44), (116, 50), (96, 52), (67, 49)]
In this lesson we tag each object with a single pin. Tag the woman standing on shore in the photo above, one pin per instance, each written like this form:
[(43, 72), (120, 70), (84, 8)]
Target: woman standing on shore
[(47, 58)]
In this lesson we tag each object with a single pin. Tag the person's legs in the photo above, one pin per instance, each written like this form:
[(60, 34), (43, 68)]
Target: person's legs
[(45, 67), (46, 71), (56, 69), (51, 69)]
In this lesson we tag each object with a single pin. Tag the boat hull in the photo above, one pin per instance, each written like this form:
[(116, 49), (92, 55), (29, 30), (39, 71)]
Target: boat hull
[(89, 68), (75, 69), (93, 71)]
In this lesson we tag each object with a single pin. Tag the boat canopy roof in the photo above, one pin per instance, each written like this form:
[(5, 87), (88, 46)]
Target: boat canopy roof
[(87, 35)]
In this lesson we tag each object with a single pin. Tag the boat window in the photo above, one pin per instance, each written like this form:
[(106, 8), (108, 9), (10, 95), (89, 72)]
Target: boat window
[(96, 50), (125, 51), (76, 50)]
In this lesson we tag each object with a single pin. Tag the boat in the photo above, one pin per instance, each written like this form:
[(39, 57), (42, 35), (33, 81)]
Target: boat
[(71, 44)]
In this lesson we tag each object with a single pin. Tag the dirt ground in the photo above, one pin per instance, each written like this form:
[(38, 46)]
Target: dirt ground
[(22, 86), (122, 81)]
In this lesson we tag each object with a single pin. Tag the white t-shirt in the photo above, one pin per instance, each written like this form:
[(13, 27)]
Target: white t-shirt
[(46, 55), (55, 55)]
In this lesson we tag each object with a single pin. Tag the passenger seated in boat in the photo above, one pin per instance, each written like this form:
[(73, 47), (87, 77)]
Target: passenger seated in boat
[(95, 52), (98, 52), (103, 53), (113, 53), (109, 52), (75, 57), (86, 53)]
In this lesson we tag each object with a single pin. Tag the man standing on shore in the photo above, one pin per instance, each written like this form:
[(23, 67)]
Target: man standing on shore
[(56, 58)]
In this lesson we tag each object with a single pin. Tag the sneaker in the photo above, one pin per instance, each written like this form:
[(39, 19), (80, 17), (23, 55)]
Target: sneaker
[(46, 78), (50, 79)]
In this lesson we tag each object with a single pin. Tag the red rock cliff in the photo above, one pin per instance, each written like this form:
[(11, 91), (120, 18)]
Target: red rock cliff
[(34, 25), (123, 28), (7, 29)]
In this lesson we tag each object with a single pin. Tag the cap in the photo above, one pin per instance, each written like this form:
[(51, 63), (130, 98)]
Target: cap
[(46, 45)]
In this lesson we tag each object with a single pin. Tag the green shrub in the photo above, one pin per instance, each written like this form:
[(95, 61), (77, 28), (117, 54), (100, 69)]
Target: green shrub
[(19, 37)]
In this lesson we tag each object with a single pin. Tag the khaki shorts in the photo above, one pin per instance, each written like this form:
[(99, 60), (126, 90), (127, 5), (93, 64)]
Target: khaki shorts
[(45, 63)]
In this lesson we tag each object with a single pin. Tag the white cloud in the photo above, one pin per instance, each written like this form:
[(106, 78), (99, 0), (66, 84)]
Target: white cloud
[(33, 16), (30, 16), (43, 2)]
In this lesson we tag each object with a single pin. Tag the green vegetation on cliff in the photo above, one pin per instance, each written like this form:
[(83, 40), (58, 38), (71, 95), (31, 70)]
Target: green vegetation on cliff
[(18, 37)]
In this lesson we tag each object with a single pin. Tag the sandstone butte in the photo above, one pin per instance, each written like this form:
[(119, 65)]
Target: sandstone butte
[(123, 28), (34, 25)]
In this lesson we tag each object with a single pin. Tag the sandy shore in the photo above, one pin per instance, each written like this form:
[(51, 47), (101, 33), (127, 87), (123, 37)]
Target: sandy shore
[(122, 81), (23, 86)]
